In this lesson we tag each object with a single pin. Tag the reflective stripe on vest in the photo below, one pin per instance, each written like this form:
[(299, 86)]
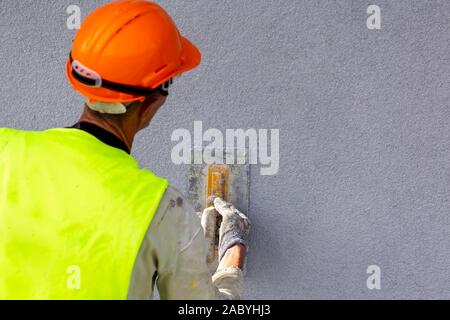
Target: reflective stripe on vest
[(73, 214)]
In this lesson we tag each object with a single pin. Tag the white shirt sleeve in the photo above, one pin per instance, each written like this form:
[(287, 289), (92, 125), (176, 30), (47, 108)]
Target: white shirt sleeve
[(173, 256)]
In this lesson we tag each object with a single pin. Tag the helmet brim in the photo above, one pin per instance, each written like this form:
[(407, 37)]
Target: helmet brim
[(191, 55)]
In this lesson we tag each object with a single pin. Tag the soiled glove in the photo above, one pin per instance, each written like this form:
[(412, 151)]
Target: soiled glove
[(234, 229)]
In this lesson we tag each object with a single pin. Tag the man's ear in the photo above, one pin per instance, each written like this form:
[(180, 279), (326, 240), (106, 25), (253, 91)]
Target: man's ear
[(146, 107)]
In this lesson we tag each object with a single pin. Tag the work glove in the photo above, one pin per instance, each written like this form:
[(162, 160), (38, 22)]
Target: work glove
[(234, 228)]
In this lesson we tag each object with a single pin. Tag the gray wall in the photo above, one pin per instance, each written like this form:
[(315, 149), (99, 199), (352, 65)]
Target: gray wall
[(363, 118)]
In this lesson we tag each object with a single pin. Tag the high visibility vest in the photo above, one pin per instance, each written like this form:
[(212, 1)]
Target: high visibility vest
[(73, 214)]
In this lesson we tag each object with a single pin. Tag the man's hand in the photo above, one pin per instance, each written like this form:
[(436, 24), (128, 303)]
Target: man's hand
[(233, 231)]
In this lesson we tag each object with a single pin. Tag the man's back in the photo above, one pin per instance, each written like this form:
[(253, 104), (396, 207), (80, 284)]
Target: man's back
[(70, 206)]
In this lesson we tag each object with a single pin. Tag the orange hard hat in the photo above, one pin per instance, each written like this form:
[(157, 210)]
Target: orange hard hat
[(126, 50)]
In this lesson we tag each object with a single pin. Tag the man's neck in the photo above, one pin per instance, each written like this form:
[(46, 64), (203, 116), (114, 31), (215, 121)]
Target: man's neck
[(124, 133)]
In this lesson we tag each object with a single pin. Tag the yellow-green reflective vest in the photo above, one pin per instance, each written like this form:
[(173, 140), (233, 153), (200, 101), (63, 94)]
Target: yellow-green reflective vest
[(73, 214)]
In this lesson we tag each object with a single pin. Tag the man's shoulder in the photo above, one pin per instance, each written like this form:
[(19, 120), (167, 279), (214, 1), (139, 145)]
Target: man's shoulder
[(176, 198), (174, 201), (175, 205)]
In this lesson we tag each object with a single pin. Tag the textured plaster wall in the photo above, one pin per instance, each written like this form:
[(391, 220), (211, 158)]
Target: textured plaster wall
[(364, 129)]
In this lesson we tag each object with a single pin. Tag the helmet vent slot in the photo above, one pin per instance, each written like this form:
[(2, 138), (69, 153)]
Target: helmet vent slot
[(127, 23), (161, 68)]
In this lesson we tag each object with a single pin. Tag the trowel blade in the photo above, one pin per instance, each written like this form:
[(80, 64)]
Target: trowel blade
[(234, 190), (238, 181)]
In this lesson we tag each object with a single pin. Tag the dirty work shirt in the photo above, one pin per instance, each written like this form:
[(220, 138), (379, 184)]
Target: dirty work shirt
[(173, 256), (173, 253)]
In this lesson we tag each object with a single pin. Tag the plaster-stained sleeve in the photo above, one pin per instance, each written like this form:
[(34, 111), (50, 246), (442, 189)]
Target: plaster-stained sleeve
[(173, 256)]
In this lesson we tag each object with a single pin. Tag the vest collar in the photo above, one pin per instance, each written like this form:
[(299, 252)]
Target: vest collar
[(103, 135)]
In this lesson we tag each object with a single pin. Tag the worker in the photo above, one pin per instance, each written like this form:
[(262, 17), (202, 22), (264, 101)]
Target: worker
[(78, 218)]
